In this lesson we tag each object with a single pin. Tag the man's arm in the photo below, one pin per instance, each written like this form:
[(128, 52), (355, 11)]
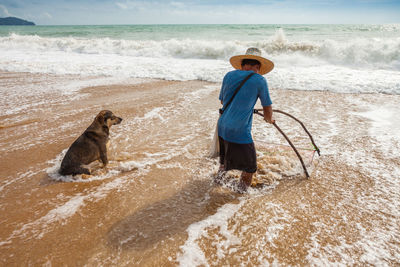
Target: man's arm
[(266, 102), (223, 88), (268, 114)]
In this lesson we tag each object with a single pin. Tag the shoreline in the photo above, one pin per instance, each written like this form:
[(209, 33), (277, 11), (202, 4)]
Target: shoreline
[(122, 81)]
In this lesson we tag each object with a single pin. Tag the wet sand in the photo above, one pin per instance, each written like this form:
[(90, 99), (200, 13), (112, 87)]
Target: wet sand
[(155, 205)]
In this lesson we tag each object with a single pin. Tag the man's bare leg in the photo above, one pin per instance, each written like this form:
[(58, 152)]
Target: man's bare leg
[(245, 181)]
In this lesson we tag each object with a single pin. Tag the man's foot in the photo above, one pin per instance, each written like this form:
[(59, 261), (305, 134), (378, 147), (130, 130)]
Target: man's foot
[(244, 183), (219, 178), (237, 187), (241, 187)]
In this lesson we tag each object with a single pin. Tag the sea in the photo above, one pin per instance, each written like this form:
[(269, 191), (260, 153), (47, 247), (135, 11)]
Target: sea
[(337, 58), (155, 204)]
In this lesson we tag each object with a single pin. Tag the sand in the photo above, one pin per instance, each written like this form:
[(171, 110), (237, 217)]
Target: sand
[(155, 204)]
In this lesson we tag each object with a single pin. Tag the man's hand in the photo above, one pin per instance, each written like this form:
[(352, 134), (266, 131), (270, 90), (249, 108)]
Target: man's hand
[(268, 114), (272, 121)]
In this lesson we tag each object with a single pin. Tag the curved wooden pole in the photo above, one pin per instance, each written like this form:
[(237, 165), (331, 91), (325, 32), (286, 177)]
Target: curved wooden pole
[(290, 143), (302, 125), (295, 150)]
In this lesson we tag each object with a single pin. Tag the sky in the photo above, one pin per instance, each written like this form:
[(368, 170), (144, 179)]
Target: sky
[(103, 12)]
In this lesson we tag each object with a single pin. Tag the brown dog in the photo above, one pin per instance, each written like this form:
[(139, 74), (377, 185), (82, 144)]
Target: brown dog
[(90, 146)]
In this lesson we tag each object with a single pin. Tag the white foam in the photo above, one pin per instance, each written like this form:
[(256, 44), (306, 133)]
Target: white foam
[(385, 127), (59, 214), (191, 254), (35, 94), (141, 164), (357, 65), (20, 176), (113, 169), (154, 113), (383, 119), (228, 220), (377, 238), (38, 228), (356, 51), (64, 211)]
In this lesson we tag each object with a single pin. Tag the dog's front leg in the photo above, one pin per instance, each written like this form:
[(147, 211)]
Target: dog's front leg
[(103, 156), (104, 159)]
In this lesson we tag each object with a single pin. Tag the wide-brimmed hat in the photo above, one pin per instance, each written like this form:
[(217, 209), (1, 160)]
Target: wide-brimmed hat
[(253, 53)]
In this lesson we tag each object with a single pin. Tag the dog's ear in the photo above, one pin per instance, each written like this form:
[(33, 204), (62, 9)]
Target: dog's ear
[(108, 115), (100, 118), (103, 116)]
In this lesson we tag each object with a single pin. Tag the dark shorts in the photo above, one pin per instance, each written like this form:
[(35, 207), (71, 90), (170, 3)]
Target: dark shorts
[(237, 156)]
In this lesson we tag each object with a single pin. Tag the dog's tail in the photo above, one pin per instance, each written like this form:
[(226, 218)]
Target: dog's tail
[(73, 171)]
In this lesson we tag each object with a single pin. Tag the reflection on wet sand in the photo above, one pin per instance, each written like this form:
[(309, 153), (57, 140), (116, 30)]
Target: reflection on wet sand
[(164, 219)]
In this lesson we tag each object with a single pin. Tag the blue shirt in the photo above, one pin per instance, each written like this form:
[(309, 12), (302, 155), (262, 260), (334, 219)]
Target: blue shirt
[(235, 123)]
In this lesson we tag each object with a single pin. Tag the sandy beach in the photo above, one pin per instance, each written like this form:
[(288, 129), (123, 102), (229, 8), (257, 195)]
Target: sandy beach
[(156, 205)]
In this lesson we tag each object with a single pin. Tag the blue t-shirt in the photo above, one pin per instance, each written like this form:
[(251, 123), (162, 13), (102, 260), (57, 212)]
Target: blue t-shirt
[(235, 123)]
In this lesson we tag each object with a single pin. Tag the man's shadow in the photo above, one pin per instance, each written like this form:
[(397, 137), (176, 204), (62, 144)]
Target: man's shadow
[(162, 220)]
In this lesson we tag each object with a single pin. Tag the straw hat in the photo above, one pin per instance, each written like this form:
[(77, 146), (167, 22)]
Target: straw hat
[(252, 53)]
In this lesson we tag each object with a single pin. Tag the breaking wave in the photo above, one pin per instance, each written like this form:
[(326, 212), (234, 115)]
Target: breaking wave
[(379, 53), (342, 62)]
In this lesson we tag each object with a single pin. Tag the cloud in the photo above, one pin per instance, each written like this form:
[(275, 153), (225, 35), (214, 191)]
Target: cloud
[(177, 4), (160, 5), (377, 1), (46, 15), (202, 11), (137, 5), (121, 5), (4, 11)]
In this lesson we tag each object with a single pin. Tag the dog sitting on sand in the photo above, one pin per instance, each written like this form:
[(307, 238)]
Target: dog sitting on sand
[(90, 146)]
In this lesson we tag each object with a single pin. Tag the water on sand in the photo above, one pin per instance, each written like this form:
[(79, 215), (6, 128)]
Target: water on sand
[(156, 205)]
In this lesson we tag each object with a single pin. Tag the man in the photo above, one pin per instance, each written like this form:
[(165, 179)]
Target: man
[(237, 149)]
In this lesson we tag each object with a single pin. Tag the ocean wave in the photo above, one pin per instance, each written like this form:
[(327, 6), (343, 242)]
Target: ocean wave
[(361, 52), (376, 53), (358, 65)]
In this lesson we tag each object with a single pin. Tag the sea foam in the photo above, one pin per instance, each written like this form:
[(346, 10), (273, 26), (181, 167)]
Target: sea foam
[(336, 62), (380, 53)]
